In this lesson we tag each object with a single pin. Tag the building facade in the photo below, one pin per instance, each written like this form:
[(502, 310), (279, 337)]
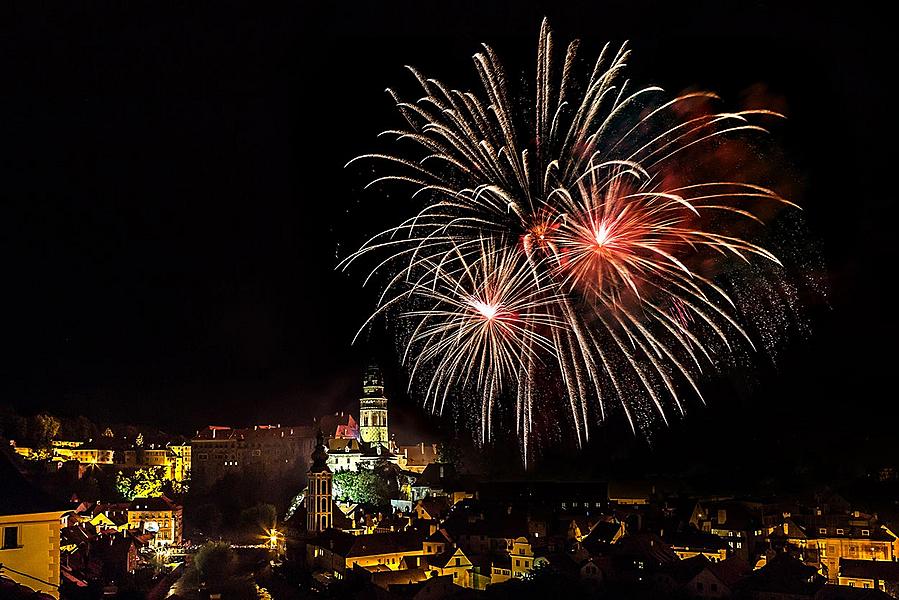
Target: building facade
[(159, 516), (269, 451)]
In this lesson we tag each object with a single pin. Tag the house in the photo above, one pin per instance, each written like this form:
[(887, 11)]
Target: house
[(416, 458), (441, 479), (782, 578), (338, 552), (118, 555), (105, 516), (602, 534), (29, 531), (698, 577), (870, 574), (739, 524), (159, 516), (825, 540), (692, 542), (433, 509), (453, 562)]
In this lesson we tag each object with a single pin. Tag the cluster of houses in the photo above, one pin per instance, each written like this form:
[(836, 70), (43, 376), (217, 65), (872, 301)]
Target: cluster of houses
[(460, 536), (47, 545)]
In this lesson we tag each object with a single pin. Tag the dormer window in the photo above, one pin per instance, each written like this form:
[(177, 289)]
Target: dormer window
[(866, 532), (822, 531), (839, 532)]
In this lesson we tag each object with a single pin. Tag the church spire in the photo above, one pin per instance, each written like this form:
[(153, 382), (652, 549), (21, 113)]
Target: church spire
[(320, 455), (319, 503)]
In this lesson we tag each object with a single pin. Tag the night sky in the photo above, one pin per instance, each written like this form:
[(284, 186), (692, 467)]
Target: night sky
[(173, 199)]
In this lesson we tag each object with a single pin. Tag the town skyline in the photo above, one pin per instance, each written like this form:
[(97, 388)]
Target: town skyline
[(608, 343)]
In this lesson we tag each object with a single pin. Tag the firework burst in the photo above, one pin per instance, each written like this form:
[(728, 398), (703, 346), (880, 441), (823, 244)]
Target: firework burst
[(580, 238)]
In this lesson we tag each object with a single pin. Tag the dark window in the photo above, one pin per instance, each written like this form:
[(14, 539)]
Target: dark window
[(10, 537)]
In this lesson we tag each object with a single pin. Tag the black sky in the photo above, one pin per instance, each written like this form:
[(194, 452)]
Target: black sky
[(172, 195)]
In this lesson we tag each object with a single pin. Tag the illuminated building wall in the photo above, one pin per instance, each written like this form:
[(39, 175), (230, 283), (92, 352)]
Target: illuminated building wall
[(29, 543), (373, 409)]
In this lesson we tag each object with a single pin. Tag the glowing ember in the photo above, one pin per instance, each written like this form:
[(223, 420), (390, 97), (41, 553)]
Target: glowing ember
[(602, 235), (488, 311)]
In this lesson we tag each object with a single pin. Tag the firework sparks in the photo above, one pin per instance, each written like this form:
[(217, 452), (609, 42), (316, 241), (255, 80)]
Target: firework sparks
[(579, 235)]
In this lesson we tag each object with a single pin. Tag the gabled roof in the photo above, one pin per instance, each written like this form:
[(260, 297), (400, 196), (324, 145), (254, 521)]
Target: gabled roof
[(373, 544), (435, 507), (645, 545), (439, 537), (443, 559), (603, 532), (730, 570), (683, 571), (785, 575), (157, 503), (436, 475)]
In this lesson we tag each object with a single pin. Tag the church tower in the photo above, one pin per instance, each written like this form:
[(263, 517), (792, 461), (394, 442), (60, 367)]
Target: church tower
[(373, 409), (319, 504)]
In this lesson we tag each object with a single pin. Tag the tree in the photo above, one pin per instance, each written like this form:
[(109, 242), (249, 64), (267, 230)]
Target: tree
[(261, 517), (363, 486), (141, 483), (215, 561), (44, 428)]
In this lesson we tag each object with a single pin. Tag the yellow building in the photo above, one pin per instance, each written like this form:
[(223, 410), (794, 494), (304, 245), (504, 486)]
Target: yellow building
[(159, 516), (867, 545), (519, 563), (29, 532), (522, 557), (85, 456), (175, 460)]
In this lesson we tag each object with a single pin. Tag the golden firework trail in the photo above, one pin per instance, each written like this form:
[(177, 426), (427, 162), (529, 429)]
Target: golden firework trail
[(583, 233)]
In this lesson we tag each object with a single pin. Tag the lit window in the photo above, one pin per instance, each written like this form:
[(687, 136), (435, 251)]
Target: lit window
[(839, 532)]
